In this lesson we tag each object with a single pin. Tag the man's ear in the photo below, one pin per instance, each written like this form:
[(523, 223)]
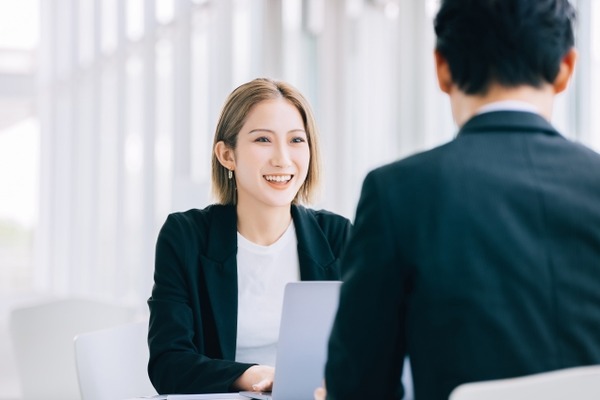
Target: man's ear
[(565, 72), (443, 72), (225, 155)]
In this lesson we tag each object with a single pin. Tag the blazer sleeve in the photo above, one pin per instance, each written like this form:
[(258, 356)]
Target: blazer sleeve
[(177, 341)]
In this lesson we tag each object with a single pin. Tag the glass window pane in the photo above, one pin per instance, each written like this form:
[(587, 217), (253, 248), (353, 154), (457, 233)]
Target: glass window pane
[(109, 28), (19, 24), (164, 11), (164, 126), (201, 129), (135, 19), (19, 160), (85, 37)]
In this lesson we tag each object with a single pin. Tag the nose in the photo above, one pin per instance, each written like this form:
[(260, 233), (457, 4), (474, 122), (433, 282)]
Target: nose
[(281, 156)]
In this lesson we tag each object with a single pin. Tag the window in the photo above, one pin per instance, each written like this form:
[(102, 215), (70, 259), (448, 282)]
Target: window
[(19, 145)]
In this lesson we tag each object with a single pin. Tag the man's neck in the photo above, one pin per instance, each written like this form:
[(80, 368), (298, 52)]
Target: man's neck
[(465, 106)]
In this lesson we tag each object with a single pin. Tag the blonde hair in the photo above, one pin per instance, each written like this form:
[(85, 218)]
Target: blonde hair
[(232, 118)]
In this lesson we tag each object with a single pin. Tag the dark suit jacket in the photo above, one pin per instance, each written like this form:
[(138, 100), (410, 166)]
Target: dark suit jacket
[(479, 259), (193, 308)]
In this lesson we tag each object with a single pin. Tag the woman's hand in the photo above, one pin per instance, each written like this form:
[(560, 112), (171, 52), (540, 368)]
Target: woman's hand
[(320, 393), (257, 378)]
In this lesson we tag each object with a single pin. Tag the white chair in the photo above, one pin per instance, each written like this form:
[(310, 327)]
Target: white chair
[(112, 363), (42, 338), (579, 383)]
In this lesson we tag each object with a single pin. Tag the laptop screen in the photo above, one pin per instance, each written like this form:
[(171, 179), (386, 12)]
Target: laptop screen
[(308, 312)]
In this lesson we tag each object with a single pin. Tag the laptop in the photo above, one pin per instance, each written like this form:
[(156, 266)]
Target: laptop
[(309, 308)]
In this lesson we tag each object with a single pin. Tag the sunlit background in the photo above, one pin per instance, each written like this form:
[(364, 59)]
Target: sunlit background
[(107, 111)]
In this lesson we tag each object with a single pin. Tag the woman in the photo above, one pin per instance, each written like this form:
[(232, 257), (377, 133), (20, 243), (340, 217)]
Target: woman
[(220, 271)]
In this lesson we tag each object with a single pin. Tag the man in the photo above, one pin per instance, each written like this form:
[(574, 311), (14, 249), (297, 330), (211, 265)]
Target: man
[(479, 259)]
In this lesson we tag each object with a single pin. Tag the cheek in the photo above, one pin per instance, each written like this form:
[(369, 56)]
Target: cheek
[(246, 158), (303, 158)]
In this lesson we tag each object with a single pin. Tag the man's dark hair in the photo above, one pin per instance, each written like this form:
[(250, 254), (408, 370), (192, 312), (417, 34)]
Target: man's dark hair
[(509, 42)]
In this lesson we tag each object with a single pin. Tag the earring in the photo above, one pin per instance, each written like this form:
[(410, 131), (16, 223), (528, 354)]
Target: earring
[(230, 174)]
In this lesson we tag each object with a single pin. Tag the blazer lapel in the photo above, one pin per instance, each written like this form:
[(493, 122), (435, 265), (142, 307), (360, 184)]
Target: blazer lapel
[(220, 271), (316, 259)]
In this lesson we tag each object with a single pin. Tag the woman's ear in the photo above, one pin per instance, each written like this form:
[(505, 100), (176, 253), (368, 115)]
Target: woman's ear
[(566, 69), (225, 155)]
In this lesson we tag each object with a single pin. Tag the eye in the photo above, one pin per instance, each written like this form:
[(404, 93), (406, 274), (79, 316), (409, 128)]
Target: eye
[(298, 139), (262, 139)]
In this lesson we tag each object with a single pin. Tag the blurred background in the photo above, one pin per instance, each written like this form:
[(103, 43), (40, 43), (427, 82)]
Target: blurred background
[(108, 108)]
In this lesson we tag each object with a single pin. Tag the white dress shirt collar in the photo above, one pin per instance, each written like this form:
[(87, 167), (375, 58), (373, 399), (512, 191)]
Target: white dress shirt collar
[(508, 105)]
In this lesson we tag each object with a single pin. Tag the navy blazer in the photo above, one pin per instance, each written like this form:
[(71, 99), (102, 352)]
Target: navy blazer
[(479, 259), (193, 307)]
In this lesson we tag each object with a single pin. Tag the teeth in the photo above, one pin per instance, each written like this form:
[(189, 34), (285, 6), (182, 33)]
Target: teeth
[(278, 178)]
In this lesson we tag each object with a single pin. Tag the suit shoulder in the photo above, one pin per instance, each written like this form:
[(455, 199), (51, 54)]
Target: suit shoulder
[(324, 217), (188, 218), (322, 225), (424, 159), (335, 227), (191, 223)]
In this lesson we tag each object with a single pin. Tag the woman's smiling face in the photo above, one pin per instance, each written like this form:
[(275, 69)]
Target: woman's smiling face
[(271, 156)]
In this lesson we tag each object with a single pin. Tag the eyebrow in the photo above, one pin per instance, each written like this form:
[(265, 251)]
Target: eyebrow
[(271, 131)]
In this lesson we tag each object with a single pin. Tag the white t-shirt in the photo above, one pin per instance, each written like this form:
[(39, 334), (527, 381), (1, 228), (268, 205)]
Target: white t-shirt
[(263, 272)]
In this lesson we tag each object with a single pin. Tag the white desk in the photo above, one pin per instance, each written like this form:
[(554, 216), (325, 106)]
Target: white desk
[(211, 396)]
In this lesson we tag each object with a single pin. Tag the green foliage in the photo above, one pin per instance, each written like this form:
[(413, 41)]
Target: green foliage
[(14, 234)]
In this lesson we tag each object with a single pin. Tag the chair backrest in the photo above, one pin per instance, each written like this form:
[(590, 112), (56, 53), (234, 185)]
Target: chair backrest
[(579, 383), (112, 363), (42, 340)]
